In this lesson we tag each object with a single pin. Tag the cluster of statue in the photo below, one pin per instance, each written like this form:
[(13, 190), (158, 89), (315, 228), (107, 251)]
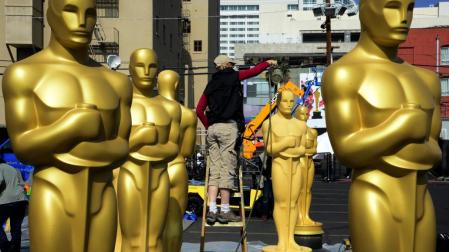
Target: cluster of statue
[(383, 119), (291, 144), (77, 121), (110, 156)]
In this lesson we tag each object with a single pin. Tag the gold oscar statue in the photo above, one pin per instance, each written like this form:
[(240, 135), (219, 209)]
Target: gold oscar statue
[(383, 119), (143, 184), (284, 138), (177, 171), (69, 117), (118, 237), (305, 225)]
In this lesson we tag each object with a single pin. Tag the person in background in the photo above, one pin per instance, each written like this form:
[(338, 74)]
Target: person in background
[(13, 204), (220, 109)]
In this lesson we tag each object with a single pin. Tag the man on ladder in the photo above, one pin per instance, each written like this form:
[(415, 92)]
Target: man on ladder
[(220, 109)]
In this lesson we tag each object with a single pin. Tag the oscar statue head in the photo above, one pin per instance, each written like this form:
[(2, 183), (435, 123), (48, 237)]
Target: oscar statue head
[(72, 21), (143, 68), (387, 22)]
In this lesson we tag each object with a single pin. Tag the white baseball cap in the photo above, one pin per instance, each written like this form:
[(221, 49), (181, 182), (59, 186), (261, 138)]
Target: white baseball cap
[(223, 59)]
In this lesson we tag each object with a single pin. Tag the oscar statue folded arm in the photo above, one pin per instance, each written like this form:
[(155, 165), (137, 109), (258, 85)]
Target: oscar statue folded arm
[(31, 140), (435, 128), (360, 145), (276, 147), (189, 136), (143, 134)]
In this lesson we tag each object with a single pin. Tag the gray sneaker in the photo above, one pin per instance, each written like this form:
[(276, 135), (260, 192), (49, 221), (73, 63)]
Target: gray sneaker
[(224, 218), (211, 218)]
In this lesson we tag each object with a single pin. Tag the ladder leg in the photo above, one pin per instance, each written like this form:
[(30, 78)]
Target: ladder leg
[(203, 219), (242, 213)]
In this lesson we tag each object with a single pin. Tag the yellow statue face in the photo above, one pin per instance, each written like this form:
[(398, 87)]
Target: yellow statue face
[(387, 21), (286, 103), (302, 113), (167, 80), (72, 21), (143, 67)]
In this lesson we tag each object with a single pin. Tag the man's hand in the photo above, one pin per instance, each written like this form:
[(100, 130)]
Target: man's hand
[(272, 62)]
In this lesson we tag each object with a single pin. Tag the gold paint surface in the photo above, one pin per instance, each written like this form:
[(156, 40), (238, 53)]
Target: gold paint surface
[(383, 119), (69, 117), (177, 171), (285, 139), (304, 224), (143, 183)]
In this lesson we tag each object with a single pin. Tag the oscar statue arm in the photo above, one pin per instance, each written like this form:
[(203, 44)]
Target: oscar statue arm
[(356, 145), (34, 143), (274, 148), (125, 93), (189, 135), (314, 135), (435, 87), (142, 132)]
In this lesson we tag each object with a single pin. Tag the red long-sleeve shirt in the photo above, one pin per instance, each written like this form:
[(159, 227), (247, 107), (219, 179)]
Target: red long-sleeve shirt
[(243, 75)]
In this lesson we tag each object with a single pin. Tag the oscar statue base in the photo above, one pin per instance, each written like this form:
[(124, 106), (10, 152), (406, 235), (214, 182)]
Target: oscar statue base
[(316, 115), (310, 236)]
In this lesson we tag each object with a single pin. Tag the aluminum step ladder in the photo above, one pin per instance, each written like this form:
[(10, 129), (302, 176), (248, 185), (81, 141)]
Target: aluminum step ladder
[(241, 224)]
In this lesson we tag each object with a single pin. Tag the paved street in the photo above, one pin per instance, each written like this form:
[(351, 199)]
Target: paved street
[(329, 206)]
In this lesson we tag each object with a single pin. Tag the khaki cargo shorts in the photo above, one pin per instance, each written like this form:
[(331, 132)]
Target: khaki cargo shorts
[(221, 140)]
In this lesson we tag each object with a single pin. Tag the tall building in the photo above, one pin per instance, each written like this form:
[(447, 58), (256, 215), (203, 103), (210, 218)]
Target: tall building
[(18, 43), (200, 37), (265, 21), (239, 24), (121, 28)]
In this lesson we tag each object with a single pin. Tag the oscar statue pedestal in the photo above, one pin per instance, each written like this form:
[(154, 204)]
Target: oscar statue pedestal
[(310, 236)]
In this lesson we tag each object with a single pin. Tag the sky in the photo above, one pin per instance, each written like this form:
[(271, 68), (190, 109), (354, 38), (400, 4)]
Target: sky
[(423, 3)]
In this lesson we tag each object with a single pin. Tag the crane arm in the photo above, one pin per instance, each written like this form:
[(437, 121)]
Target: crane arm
[(252, 127)]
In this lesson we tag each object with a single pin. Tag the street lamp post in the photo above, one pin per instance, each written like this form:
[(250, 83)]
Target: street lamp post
[(328, 35), (332, 10)]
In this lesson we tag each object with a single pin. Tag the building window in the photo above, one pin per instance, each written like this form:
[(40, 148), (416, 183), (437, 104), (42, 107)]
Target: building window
[(309, 4), (444, 86), (107, 8), (164, 39), (293, 7), (156, 24), (445, 55), (305, 2), (197, 45), (252, 29), (186, 25), (223, 29), (239, 7), (253, 23)]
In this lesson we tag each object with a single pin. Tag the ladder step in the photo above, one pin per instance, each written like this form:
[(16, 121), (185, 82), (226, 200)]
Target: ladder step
[(230, 224)]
